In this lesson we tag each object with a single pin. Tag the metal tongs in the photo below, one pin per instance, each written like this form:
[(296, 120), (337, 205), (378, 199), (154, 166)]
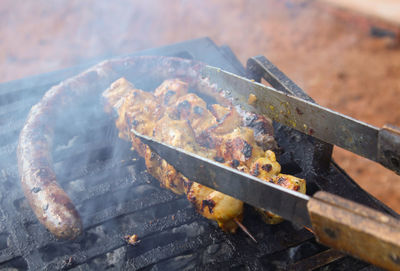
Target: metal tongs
[(336, 222)]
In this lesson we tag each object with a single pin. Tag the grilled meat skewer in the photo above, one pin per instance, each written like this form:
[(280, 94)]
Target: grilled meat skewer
[(184, 120)]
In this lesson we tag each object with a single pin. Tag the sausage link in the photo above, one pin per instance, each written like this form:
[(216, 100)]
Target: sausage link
[(49, 202), (51, 205)]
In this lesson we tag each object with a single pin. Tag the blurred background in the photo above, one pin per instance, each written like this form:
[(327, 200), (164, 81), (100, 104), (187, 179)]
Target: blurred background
[(343, 57)]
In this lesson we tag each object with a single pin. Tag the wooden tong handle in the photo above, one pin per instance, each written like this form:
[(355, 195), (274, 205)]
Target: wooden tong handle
[(355, 229)]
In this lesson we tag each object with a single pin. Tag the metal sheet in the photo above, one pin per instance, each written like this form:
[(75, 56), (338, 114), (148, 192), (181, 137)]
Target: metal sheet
[(304, 116), (289, 204)]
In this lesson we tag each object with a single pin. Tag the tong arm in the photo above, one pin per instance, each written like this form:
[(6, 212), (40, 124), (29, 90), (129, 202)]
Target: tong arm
[(384, 143), (389, 147)]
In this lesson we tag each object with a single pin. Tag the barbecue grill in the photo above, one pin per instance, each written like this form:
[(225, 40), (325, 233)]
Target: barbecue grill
[(116, 196)]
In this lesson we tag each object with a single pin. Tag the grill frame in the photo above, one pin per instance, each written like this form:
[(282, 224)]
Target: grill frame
[(29, 243)]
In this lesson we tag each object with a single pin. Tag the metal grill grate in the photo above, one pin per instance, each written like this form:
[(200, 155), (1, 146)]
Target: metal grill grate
[(115, 196)]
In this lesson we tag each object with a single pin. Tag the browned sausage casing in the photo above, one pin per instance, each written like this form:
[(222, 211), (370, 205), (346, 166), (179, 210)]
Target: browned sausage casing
[(49, 202)]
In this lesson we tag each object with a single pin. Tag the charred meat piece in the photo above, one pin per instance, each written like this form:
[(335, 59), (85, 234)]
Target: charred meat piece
[(238, 145), (265, 167), (193, 109), (263, 130), (228, 119), (170, 90), (136, 107), (289, 182), (216, 206)]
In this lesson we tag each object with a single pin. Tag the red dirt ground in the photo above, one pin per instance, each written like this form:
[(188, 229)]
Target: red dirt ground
[(336, 61)]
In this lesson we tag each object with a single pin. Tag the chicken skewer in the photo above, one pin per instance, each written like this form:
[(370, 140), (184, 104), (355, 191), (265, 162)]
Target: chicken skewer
[(185, 120)]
